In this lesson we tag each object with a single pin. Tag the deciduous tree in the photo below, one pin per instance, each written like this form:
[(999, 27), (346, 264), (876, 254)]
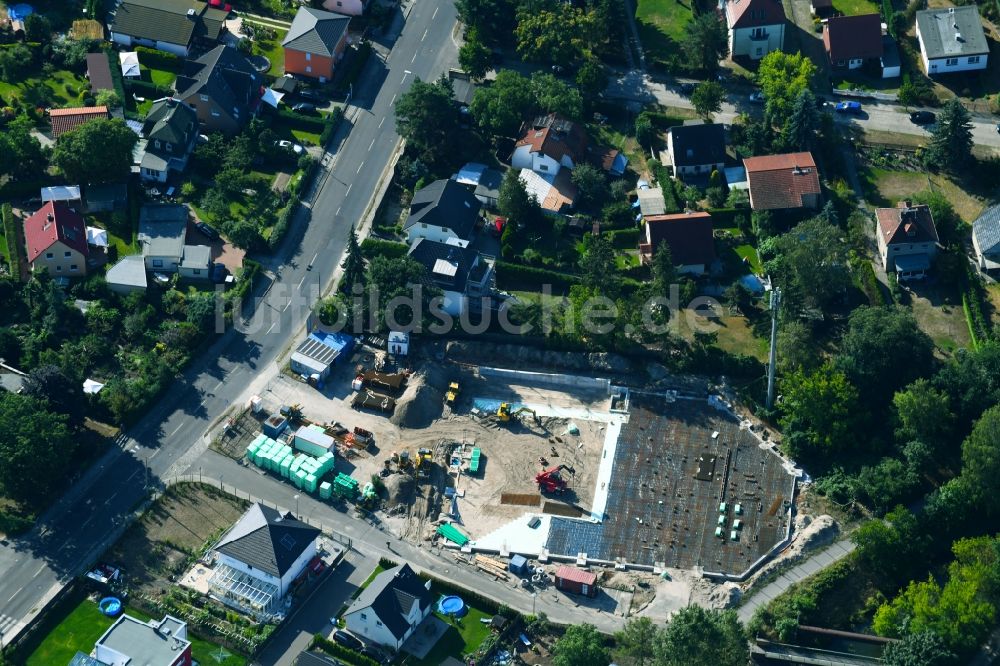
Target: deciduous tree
[(922, 649), (426, 117), (592, 79), (99, 151), (809, 263), (782, 77), (499, 107), (818, 413), (475, 57), (36, 448), (592, 186), (705, 43), (696, 635), (515, 203), (553, 96), (62, 392), (707, 99), (561, 34), (581, 645)]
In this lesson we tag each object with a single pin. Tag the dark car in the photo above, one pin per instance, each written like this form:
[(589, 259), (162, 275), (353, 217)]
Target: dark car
[(686, 88), (207, 230), (304, 107), (374, 655), (348, 641), (848, 107), (922, 117)]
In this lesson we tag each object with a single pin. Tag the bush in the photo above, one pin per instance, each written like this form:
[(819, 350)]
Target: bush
[(331, 125), (516, 276), (146, 89), (10, 235), (374, 247), (281, 224)]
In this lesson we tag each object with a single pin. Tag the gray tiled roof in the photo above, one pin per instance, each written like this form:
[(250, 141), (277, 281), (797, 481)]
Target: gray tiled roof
[(167, 20), (162, 228), (986, 229), (267, 540), (171, 121), (224, 75), (130, 271), (316, 31), (145, 643), (706, 143), (445, 203), (951, 32), (391, 597)]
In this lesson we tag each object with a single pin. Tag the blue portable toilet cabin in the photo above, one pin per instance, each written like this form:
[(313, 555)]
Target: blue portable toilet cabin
[(519, 565)]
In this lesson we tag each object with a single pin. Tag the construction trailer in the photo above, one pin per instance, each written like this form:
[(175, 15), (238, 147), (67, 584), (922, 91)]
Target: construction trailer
[(576, 581), (312, 439)]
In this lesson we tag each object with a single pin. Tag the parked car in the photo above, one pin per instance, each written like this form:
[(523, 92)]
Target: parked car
[(757, 97), (848, 107), (374, 655), (304, 107), (922, 117), (288, 145), (207, 230), (348, 641), (686, 88), (308, 93)]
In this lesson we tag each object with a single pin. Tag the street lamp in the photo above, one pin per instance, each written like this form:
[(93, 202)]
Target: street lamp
[(534, 596), (296, 506)]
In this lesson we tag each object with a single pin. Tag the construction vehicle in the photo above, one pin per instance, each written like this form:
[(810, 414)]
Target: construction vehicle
[(549, 481), (505, 415), (452, 395), (424, 459)]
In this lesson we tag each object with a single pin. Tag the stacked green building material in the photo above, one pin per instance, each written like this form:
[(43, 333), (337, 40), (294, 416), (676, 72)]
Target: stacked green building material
[(451, 533), (325, 489), (345, 486), (301, 469), (474, 462)]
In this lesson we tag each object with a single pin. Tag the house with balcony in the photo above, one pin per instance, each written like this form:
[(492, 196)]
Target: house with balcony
[(55, 237), (463, 274), (257, 560), (907, 239), (756, 27)]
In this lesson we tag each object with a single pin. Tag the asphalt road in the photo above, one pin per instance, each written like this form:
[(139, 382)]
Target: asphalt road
[(640, 88), (79, 526)]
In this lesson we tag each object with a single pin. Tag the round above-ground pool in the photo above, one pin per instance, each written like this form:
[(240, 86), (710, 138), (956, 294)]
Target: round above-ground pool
[(452, 605), (110, 606)]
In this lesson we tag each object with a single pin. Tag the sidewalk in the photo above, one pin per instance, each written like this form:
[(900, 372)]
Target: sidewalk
[(821, 560)]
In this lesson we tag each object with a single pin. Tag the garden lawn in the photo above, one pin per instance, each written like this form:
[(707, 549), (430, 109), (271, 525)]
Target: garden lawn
[(57, 83), (85, 624), (661, 26), (885, 188), (855, 7), (749, 252), (463, 636), (273, 51), (160, 77)]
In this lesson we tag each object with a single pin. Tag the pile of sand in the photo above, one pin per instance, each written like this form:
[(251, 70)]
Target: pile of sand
[(399, 490), (423, 401)]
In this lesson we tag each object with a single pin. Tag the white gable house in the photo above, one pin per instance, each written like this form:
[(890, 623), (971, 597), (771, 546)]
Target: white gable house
[(390, 609)]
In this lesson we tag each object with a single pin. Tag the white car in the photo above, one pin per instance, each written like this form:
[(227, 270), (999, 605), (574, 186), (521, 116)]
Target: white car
[(757, 97), (288, 145)]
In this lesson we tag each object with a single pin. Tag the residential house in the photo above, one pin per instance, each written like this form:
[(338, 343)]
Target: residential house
[(129, 642), (105, 198), (952, 39), (440, 211), (611, 160), (986, 239), (195, 262), (464, 275), (488, 188), (756, 27), (783, 182), (907, 239), (651, 201), (548, 144), (315, 43), (348, 7), (171, 131), (851, 41), (56, 240), (689, 236), (64, 120), (162, 229), (222, 87), (128, 275), (391, 608), (555, 193), (174, 26), (99, 72), (259, 557), (696, 149)]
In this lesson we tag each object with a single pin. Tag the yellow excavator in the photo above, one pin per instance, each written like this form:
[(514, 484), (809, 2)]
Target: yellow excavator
[(452, 395), (504, 414)]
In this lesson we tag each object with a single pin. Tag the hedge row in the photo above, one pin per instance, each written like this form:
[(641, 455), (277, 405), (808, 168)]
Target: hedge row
[(374, 247), (869, 283), (340, 652), (331, 124), (517, 276), (281, 225), (159, 59), (302, 121), (623, 239), (10, 235)]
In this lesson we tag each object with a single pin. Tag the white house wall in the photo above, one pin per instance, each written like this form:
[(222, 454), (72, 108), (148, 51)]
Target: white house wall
[(430, 232), (248, 570), (297, 567), (740, 43), (521, 159), (371, 627), (941, 66)]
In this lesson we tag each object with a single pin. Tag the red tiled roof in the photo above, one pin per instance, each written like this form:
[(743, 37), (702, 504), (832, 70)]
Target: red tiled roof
[(781, 181), (63, 120), (55, 221), (555, 137), (853, 37), (576, 575), (906, 224), (754, 13), (689, 236)]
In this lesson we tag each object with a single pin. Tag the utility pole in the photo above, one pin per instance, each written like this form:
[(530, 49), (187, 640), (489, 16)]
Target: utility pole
[(773, 358)]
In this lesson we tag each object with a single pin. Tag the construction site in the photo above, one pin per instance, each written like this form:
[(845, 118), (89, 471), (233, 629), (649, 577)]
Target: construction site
[(555, 467)]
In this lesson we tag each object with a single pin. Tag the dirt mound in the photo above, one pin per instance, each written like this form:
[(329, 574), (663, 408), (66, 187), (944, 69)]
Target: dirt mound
[(399, 489), (419, 407)]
